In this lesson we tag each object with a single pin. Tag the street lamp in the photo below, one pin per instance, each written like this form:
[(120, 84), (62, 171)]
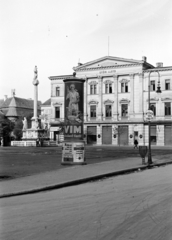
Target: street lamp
[(149, 108)]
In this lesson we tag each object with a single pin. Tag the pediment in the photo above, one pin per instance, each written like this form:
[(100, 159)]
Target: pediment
[(105, 62)]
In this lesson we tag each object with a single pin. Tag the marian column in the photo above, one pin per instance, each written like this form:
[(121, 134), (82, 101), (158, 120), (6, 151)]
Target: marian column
[(35, 82)]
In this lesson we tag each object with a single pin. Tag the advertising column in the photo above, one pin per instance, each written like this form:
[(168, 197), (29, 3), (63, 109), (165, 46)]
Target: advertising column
[(73, 147)]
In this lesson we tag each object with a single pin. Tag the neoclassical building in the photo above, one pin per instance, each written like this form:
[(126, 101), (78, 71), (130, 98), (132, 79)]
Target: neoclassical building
[(116, 101)]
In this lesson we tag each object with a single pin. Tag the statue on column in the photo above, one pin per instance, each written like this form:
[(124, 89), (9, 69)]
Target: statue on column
[(35, 79)]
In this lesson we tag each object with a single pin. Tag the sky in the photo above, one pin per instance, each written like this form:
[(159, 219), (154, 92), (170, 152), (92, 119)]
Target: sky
[(55, 35)]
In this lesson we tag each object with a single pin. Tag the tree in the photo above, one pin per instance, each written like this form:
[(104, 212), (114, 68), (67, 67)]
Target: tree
[(17, 131), (6, 127)]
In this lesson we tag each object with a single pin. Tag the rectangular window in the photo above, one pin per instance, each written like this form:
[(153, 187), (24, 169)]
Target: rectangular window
[(153, 108), (124, 87), (93, 89), (108, 111), (124, 110), (167, 84), (167, 108), (108, 88), (57, 91), (93, 111), (57, 112), (152, 86)]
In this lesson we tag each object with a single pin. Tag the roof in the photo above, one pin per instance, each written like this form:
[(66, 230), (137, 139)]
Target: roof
[(109, 61), (1, 102), (19, 103), (48, 102), (60, 77), (12, 112)]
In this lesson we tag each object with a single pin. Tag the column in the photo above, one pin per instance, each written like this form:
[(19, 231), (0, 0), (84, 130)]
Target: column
[(100, 108), (85, 98), (141, 94), (35, 83)]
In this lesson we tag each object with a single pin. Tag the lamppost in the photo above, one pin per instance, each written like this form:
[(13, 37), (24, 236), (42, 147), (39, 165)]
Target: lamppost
[(149, 108)]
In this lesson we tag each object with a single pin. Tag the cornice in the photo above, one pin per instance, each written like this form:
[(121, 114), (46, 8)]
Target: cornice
[(108, 101), (153, 99), (124, 80), (124, 101), (166, 99), (56, 103), (93, 102), (108, 82), (62, 77), (157, 69), (107, 67), (93, 83)]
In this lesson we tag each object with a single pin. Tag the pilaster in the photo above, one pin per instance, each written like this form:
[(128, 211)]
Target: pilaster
[(86, 99), (100, 109), (132, 95), (115, 111), (160, 135), (141, 93)]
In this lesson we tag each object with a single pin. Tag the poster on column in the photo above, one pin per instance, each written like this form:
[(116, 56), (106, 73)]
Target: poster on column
[(74, 94)]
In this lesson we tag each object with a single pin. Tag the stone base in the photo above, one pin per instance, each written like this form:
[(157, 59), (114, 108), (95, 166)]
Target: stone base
[(29, 143), (23, 143), (34, 134)]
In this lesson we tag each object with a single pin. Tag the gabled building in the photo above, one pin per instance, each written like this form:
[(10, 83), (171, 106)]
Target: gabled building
[(116, 101), (15, 107)]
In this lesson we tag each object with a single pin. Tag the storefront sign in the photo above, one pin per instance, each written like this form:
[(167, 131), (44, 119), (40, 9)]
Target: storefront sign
[(107, 71)]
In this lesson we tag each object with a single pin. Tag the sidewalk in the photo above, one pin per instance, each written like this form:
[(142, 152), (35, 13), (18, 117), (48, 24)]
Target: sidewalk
[(72, 175)]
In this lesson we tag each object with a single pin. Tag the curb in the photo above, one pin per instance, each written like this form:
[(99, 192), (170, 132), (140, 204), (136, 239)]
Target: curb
[(83, 180)]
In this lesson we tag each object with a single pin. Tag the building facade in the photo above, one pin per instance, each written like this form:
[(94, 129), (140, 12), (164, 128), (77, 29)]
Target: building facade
[(14, 107), (116, 101)]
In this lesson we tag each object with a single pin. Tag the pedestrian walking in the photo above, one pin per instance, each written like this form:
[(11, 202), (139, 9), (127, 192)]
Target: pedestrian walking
[(37, 142), (135, 143)]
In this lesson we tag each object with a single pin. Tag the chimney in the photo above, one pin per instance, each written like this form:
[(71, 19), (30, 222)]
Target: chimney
[(13, 93), (159, 64), (5, 97), (144, 58)]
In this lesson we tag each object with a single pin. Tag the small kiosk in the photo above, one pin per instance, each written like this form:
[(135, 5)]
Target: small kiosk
[(73, 147)]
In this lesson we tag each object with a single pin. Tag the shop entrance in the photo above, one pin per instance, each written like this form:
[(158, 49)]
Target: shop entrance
[(168, 134), (92, 135), (123, 135), (107, 135)]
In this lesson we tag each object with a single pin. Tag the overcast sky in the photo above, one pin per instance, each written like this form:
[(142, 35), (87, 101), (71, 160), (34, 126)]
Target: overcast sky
[(55, 35)]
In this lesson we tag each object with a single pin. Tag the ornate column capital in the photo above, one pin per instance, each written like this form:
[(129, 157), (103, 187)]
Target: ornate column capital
[(115, 77), (131, 75), (100, 77), (35, 79)]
